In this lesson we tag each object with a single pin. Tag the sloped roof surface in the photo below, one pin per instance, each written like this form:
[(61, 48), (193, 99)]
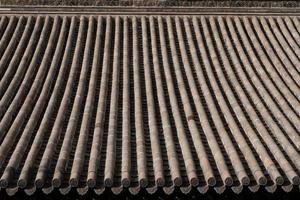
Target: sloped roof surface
[(136, 102)]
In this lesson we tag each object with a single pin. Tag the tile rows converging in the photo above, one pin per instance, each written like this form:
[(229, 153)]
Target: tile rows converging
[(149, 102)]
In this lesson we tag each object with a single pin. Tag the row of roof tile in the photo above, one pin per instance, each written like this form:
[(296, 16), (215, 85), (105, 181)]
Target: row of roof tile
[(102, 102)]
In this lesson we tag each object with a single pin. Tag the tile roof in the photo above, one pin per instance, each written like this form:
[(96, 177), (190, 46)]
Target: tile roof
[(133, 102), (156, 3)]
